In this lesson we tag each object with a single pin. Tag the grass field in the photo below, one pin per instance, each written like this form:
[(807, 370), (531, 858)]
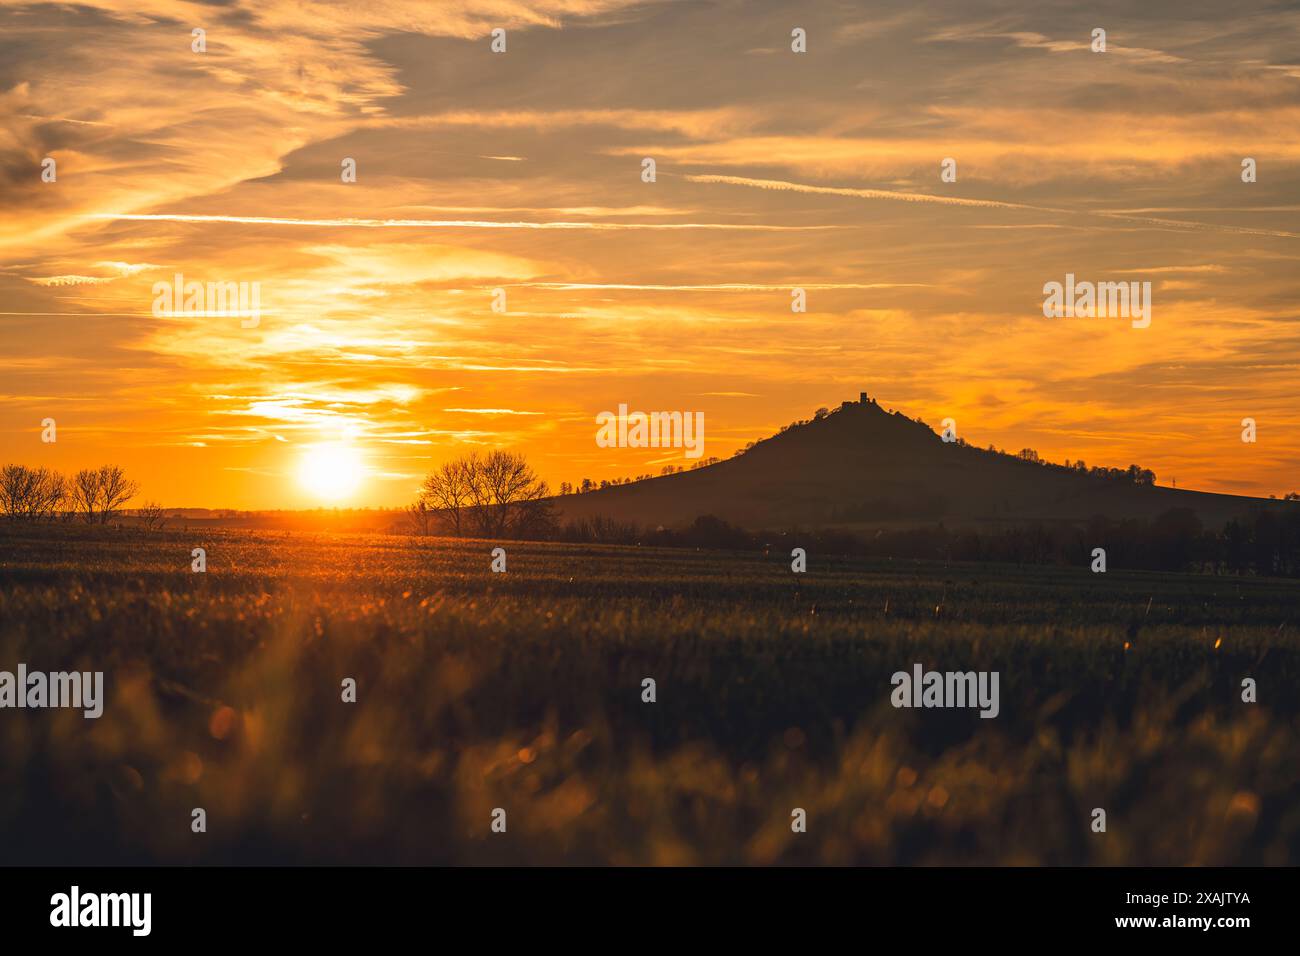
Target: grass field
[(523, 691)]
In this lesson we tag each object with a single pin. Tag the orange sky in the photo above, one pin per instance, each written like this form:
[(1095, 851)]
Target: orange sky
[(522, 171)]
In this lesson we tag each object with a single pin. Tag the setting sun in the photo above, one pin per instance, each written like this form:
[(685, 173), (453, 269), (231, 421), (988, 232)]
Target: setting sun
[(331, 471)]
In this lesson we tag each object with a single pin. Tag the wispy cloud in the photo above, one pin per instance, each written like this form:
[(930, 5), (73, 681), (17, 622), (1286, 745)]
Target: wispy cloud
[(489, 411)]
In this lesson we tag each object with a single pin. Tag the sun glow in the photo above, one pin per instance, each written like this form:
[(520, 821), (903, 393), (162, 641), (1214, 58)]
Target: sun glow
[(331, 472)]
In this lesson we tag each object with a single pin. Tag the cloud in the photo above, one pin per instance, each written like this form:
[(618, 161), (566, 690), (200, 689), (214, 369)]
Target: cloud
[(70, 280), (1030, 40), (489, 411)]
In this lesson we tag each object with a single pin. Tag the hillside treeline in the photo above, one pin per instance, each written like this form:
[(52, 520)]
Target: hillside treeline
[(1267, 542)]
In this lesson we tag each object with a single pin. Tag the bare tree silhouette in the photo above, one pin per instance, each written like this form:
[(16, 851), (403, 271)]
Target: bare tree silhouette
[(494, 495), (115, 490), (35, 493), (449, 490)]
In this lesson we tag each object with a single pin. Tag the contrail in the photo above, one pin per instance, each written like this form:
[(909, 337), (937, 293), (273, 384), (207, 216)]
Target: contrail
[(783, 186), (721, 287), (1176, 224), (443, 223), (1197, 226)]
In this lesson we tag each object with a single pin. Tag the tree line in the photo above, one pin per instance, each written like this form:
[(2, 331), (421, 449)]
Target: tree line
[(1265, 542), (96, 495)]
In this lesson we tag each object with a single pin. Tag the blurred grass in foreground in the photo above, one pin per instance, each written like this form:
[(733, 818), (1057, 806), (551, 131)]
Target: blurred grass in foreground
[(523, 691)]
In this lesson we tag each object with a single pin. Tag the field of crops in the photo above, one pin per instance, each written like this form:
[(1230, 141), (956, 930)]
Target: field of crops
[(523, 691)]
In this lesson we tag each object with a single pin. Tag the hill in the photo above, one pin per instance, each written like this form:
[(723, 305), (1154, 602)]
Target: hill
[(862, 467)]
